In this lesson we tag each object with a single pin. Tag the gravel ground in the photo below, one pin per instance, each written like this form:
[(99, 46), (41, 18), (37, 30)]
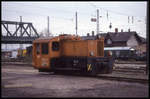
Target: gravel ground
[(18, 81)]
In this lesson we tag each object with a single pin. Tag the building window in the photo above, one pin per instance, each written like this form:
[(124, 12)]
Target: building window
[(109, 41), (37, 48), (44, 48), (117, 53), (55, 46)]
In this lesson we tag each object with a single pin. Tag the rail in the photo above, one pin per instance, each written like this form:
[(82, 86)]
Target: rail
[(102, 76), (137, 80)]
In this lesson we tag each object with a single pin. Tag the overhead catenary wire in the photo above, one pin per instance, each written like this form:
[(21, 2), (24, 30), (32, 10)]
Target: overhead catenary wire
[(71, 19), (115, 12), (82, 13), (134, 18), (118, 13)]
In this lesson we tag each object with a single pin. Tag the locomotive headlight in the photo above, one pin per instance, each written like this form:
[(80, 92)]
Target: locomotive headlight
[(91, 53)]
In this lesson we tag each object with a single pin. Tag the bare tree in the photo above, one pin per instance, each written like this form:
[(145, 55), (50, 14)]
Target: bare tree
[(44, 33)]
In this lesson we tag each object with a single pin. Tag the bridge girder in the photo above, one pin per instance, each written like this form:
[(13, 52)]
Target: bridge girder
[(15, 38)]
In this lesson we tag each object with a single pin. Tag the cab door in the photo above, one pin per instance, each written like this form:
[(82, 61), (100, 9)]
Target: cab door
[(36, 55), (45, 55)]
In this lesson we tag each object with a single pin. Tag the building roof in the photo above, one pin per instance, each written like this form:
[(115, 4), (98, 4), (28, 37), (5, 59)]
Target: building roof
[(88, 37), (103, 34), (123, 36), (143, 40), (117, 37)]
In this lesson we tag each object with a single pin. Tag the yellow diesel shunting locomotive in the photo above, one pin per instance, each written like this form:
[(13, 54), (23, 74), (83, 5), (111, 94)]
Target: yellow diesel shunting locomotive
[(71, 53)]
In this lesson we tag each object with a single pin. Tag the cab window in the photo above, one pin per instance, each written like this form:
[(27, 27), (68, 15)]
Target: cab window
[(44, 48), (55, 46), (37, 48)]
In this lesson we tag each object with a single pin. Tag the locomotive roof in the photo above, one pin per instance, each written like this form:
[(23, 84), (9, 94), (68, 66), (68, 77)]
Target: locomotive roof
[(43, 39), (57, 38)]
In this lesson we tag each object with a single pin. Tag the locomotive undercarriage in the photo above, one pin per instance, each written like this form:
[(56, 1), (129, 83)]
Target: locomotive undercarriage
[(83, 65)]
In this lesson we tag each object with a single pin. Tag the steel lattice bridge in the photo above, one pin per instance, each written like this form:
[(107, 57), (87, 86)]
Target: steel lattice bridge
[(24, 32)]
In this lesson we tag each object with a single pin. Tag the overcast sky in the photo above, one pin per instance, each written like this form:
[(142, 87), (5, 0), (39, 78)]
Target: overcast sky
[(62, 15)]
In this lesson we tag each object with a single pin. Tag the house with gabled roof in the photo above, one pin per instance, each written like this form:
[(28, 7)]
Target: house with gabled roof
[(125, 39), (121, 39)]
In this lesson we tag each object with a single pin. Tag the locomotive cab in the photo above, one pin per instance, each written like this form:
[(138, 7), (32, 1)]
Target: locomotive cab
[(43, 50), (67, 52)]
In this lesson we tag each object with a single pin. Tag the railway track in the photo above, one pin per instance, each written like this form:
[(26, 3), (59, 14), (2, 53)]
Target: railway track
[(142, 70), (105, 76), (133, 70), (130, 62), (135, 80), (17, 63), (112, 77), (117, 77)]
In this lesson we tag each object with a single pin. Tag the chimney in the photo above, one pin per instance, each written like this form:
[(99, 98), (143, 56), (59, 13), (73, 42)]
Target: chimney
[(129, 30), (116, 30), (92, 33), (88, 34), (121, 30)]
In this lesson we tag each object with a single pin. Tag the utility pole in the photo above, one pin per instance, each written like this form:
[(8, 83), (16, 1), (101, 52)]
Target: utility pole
[(76, 23), (48, 25), (21, 25), (147, 45), (97, 21), (21, 46)]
